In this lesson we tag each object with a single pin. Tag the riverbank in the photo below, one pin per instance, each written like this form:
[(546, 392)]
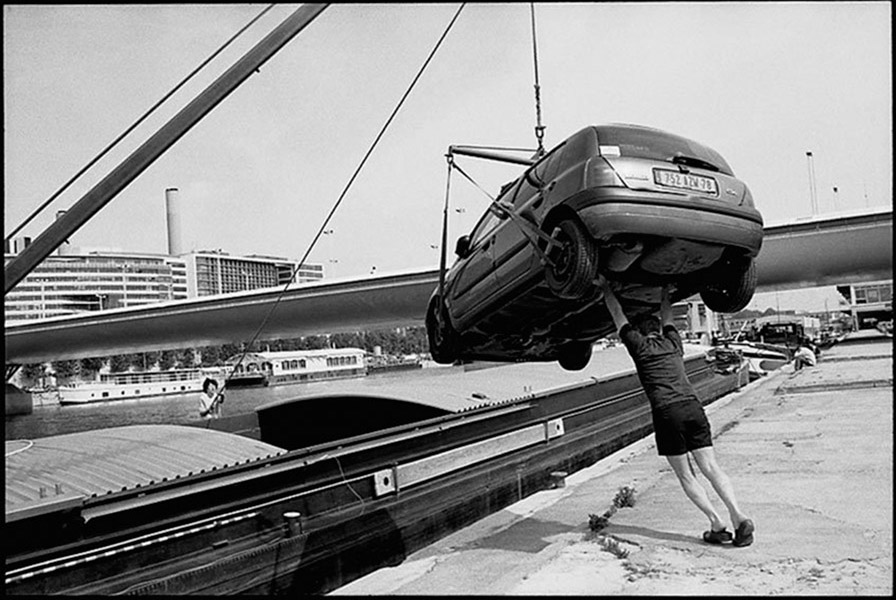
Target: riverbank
[(812, 466)]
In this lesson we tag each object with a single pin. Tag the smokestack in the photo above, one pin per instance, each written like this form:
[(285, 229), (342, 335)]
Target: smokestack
[(172, 208)]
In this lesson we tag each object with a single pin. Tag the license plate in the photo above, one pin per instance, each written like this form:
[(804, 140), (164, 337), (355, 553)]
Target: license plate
[(686, 181)]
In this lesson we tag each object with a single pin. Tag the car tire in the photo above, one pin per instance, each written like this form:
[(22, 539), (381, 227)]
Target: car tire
[(733, 290), (575, 356), (571, 276), (440, 333)]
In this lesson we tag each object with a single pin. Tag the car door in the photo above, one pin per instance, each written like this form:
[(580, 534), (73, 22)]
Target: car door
[(516, 260), (475, 283)]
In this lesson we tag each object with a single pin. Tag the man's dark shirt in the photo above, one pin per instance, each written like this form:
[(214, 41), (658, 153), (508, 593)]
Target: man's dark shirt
[(660, 365)]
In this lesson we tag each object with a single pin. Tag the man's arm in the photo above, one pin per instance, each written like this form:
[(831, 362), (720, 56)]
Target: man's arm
[(615, 308), (665, 308)]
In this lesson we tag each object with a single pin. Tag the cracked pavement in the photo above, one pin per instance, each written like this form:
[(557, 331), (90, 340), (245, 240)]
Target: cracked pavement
[(811, 461)]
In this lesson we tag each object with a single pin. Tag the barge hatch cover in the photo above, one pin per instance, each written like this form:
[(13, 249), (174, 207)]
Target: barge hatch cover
[(46, 473)]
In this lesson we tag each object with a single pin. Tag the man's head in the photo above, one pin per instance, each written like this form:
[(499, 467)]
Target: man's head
[(647, 324), (209, 386)]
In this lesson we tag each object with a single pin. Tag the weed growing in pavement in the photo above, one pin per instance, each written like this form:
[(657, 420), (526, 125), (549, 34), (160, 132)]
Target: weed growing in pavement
[(598, 522), (613, 546), (624, 497)]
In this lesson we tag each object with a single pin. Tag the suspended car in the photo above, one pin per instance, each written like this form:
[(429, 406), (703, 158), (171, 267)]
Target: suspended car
[(636, 205)]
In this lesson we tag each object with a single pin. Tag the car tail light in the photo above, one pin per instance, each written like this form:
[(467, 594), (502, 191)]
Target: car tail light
[(599, 173)]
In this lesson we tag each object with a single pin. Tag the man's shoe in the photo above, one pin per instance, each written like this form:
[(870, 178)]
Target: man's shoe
[(717, 537), (743, 535)]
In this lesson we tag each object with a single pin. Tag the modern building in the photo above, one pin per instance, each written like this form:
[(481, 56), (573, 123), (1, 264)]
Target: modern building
[(869, 303), (75, 280), (73, 283), (211, 272)]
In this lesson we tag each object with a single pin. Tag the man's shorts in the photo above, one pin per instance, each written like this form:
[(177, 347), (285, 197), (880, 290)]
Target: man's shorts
[(681, 427)]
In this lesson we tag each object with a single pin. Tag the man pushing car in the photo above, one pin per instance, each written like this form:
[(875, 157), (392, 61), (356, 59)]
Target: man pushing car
[(679, 421)]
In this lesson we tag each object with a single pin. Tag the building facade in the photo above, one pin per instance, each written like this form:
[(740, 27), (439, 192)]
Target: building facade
[(75, 283), (214, 272), (79, 281), (869, 303)]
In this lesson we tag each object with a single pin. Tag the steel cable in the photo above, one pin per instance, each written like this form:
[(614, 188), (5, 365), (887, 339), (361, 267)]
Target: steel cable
[(336, 205), (136, 124)]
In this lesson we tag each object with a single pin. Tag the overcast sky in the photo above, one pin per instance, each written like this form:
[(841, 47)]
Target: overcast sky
[(762, 83)]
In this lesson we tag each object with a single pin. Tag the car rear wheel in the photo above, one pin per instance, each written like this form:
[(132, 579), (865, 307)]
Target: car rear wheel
[(733, 288), (442, 336), (574, 262), (575, 356)]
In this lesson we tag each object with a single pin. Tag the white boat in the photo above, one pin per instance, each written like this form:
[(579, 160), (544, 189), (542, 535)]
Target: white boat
[(761, 358), (137, 384), (296, 366)]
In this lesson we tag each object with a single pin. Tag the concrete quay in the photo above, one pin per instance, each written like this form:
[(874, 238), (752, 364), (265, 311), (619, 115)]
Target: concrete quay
[(810, 455)]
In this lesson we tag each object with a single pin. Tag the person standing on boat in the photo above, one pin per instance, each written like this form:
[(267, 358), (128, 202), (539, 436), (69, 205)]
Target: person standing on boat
[(211, 399), (679, 421)]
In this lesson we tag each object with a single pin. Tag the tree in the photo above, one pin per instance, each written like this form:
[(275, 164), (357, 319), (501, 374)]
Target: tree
[(65, 369), (148, 361), (211, 356), (91, 366), (119, 363), (32, 373), (185, 359), (166, 359)]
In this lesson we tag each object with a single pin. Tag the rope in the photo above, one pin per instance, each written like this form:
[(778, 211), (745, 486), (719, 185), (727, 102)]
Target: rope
[(326, 222), (28, 444), (539, 128), (136, 123)]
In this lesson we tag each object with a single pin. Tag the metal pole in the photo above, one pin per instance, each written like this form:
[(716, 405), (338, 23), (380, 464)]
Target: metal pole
[(146, 154), (499, 156), (812, 198)]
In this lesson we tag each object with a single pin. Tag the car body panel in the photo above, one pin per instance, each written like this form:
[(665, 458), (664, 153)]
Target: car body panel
[(628, 187)]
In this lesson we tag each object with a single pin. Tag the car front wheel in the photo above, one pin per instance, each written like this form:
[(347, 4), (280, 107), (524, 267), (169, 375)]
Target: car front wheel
[(442, 336), (575, 356), (573, 263), (732, 289)]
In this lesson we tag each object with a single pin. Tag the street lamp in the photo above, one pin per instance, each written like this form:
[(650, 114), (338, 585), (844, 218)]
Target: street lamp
[(812, 196), (835, 197)]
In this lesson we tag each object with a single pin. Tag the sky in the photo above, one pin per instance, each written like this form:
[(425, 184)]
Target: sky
[(761, 83)]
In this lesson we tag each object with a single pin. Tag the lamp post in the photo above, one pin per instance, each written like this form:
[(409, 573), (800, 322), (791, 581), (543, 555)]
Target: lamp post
[(835, 197), (328, 250), (812, 196)]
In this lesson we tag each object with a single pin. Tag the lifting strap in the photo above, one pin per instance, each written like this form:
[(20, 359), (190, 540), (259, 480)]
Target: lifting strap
[(529, 229)]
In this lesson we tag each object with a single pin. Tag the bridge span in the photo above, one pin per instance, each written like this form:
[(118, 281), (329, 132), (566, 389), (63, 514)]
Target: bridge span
[(832, 250)]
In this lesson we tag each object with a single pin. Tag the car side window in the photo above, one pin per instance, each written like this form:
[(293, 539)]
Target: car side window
[(483, 229)]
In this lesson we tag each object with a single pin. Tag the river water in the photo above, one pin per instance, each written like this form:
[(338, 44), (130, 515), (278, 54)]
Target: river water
[(180, 409)]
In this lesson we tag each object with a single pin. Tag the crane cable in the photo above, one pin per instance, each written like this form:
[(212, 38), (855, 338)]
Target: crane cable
[(115, 142), (326, 222), (539, 136), (539, 128)]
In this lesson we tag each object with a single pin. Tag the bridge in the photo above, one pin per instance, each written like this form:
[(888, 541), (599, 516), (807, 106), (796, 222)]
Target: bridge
[(828, 250)]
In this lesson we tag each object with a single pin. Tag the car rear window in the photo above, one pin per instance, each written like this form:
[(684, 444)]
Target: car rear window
[(655, 145)]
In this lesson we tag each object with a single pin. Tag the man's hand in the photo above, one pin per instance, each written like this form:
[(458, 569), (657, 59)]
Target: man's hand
[(665, 307)]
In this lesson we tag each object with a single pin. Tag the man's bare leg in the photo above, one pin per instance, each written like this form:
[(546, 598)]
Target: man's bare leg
[(706, 460), (694, 490)]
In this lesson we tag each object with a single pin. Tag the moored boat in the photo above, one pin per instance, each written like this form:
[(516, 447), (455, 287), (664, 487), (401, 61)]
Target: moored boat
[(295, 366), (137, 384), (761, 358)]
